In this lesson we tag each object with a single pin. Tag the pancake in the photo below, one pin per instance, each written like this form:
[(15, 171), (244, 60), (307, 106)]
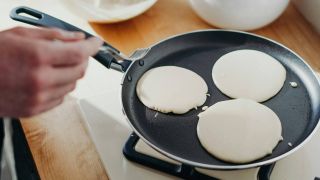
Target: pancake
[(239, 131), (171, 89), (248, 74)]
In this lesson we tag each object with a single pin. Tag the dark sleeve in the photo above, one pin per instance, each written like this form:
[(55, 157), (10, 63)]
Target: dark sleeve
[(1, 139)]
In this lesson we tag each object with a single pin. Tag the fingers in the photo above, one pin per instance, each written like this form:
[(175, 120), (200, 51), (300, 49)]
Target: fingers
[(56, 93), (48, 34), (51, 77), (68, 74), (60, 92), (70, 50), (90, 46), (48, 100), (71, 53)]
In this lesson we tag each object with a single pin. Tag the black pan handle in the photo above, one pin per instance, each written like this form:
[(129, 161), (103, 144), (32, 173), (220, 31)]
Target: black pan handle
[(37, 18)]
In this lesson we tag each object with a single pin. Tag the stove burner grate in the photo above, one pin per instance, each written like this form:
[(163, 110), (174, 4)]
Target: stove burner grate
[(182, 171)]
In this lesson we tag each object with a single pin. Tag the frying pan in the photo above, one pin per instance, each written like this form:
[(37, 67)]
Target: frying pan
[(175, 135)]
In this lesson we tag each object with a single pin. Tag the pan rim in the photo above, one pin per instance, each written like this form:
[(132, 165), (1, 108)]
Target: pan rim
[(222, 167)]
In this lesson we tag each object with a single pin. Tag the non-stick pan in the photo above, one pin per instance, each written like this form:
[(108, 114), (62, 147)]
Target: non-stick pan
[(175, 135)]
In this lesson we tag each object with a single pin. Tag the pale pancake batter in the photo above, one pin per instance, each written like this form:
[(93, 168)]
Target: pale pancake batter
[(171, 89), (239, 131), (248, 74)]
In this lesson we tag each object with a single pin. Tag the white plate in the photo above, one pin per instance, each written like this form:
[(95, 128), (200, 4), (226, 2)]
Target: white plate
[(108, 11)]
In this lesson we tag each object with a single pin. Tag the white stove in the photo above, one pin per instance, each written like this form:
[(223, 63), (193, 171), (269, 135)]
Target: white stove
[(110, 131)]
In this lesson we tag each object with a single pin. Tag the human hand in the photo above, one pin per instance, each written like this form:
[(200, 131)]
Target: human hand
[(38, 67)]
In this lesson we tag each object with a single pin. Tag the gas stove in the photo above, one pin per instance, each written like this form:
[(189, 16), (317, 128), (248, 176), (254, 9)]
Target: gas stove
[(125, 157), (137, 151)]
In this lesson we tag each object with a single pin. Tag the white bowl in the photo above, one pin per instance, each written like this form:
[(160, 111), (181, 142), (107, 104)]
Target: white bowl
[(108, 11), (239, 14)]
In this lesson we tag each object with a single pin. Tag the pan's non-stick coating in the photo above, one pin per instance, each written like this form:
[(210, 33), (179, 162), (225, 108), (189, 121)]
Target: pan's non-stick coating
[(297, 108)]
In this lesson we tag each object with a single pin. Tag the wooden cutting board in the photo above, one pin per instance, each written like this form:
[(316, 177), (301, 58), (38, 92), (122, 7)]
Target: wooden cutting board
[(59, 142), (169, 18)]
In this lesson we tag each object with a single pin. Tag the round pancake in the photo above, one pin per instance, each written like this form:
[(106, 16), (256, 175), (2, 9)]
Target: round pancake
[(248, 74), (171, 89), (239, 131)]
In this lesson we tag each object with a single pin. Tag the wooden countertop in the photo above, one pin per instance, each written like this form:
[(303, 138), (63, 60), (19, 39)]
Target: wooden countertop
[(58, 140)]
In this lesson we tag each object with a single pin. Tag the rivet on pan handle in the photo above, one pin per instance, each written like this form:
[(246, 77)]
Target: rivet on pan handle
[(37, 18)]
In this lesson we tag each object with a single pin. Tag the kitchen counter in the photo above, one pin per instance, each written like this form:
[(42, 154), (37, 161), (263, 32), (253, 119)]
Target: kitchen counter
[(59, 142)]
